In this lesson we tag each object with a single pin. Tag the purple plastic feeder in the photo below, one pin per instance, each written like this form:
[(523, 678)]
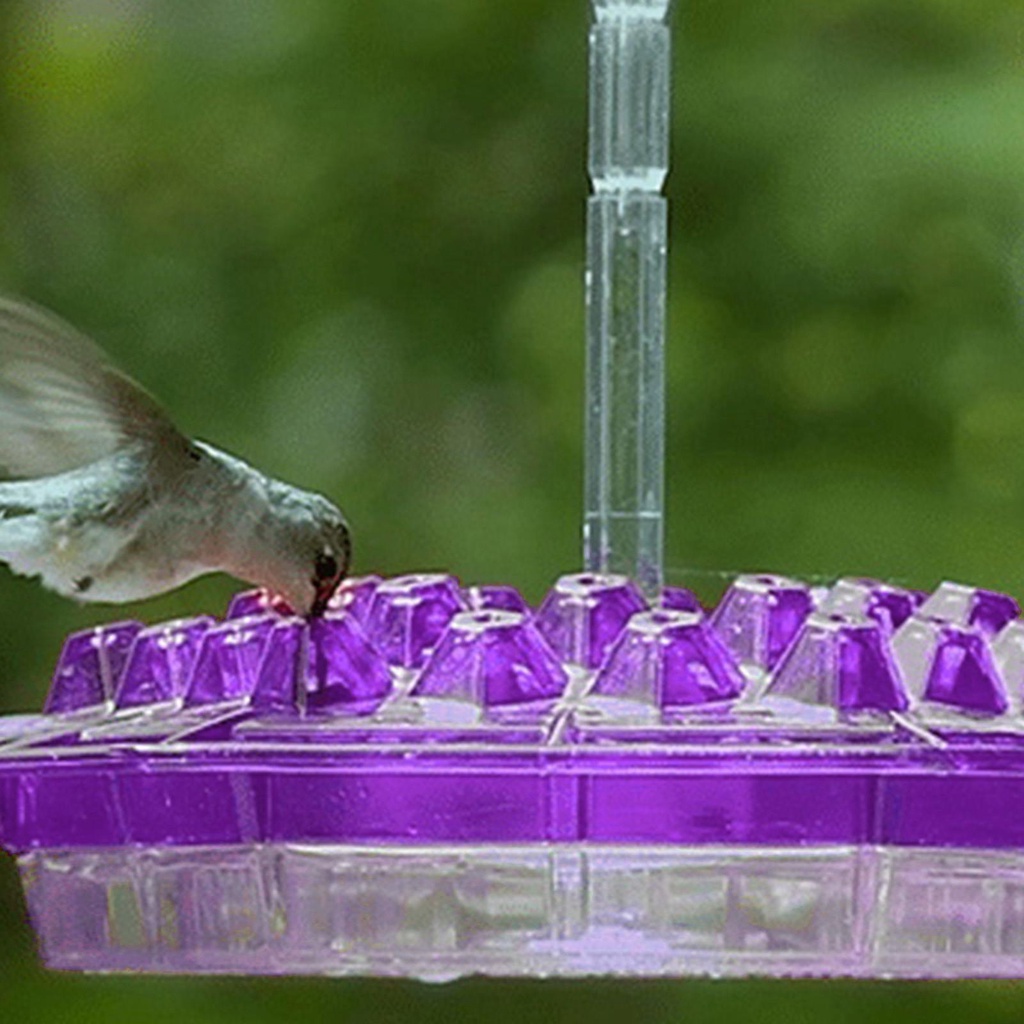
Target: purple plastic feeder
[(624, 801)]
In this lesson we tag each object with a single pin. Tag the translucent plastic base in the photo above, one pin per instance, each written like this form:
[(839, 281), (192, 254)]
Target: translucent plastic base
[(438, 913)]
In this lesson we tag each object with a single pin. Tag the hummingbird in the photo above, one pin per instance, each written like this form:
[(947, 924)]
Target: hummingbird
[(105, 499)]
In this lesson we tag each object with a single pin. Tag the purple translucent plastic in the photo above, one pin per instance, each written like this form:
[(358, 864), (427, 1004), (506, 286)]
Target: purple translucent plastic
[(326, 665), (228, 660), (891, 606), (490, 658), (89, 667), (1008, 651), (435, 723), (992, 611), (950, 663), (759, 616), (964, 674), (888, 605), (669, 659), (160, 664), (843, 663), (500, 598), (408, 614), (355, 596), (583, 615), (988, 610), (680, 599), (256, 602)]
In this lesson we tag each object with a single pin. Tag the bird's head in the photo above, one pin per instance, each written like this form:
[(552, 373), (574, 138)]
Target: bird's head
[(307, 552)]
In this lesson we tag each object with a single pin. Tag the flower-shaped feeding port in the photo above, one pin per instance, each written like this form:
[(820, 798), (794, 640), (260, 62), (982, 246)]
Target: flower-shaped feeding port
[(229, 659), (491, 660), (987, 610), (496, 596), (160, 665), (1008, 650), (408, 614), (90, 666), (759, 616), (888, 605), (583, 615), (843, 663), (950, 664), (324, 666), (667, 659), (355, 596)]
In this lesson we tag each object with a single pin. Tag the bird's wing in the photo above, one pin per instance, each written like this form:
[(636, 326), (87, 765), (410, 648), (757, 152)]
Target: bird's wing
[(62, 405)]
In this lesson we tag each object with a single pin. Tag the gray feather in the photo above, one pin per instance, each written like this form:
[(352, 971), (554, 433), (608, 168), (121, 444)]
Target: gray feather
[(62, 405)]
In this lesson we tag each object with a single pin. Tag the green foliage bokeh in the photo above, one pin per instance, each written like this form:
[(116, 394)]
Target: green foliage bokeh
[(343, 238)]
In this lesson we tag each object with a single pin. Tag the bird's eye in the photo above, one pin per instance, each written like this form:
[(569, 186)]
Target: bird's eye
[(326, 566)]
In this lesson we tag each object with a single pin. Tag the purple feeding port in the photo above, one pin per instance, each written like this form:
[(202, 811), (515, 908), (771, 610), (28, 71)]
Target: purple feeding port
[(891, 607), (228, 660), (500, 598), (256, 602), (347, 670), (583, 615), (490, 658), (992, 611), (964, 674), (680, 599), (961, 605), (409, 613), (355, 596), (759, 616), (669, 659), (843, 663), (89, 667), (950, 663), (325, 665), (888, 605), (160, 664), (285, 670)]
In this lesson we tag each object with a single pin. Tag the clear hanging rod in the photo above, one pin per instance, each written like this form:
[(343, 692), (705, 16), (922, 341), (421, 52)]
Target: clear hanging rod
[(623, 530)]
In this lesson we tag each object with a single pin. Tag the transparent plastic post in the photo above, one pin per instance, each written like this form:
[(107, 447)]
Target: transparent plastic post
[(625, 290)]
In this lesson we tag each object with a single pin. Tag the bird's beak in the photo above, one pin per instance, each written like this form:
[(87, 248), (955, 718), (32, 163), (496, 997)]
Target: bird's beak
[(323, 595)]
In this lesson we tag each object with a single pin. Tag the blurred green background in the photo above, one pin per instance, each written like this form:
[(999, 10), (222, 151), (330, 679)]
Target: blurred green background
[(343, 238)]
